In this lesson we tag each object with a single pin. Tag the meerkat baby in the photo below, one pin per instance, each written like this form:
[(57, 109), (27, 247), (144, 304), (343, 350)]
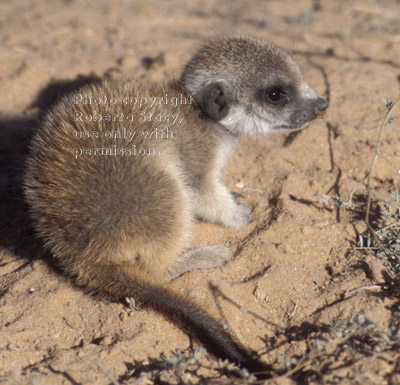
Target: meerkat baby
[(114, 186)]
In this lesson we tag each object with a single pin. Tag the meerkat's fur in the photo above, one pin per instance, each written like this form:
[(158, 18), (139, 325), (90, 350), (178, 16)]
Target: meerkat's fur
[(119, 225)]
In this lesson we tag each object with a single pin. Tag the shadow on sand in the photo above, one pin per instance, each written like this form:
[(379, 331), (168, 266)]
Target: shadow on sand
[(16, 232)]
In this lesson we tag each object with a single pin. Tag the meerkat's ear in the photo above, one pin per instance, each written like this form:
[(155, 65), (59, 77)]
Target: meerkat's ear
[(214, 102)]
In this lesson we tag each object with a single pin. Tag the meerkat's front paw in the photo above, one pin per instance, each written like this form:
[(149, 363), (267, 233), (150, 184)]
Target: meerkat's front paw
[(222, 208), (240, 216)]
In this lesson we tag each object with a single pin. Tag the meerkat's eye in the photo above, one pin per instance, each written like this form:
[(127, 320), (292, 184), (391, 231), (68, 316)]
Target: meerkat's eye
[(276, 95)]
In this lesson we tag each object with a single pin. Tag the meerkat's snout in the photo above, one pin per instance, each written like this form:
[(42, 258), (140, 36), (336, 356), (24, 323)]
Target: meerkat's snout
[(317, 103), (321, 104)]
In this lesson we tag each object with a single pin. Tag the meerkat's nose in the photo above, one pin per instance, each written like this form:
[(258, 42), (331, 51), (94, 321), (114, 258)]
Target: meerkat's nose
[(321, 104)]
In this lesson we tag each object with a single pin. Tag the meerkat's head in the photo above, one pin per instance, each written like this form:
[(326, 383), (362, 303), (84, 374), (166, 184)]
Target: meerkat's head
[(250, 87)]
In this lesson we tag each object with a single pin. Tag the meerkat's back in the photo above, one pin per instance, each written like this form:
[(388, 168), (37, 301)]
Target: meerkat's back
[(107, 207)]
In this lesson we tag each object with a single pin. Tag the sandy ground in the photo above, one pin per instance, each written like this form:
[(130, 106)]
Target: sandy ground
[(294, 263)]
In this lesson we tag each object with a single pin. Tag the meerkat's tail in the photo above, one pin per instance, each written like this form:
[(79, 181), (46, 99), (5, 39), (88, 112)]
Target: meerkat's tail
[(194, 321)]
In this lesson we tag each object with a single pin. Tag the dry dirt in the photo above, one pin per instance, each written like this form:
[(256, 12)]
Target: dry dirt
[(294, 266)]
